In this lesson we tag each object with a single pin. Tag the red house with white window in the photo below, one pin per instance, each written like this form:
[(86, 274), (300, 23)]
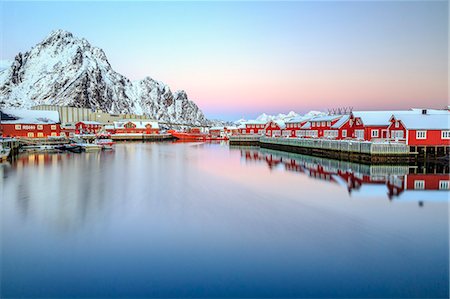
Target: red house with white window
[(30, 123), (136, 126), (252, 127), (88, 127), (293, 126), (320, 126), (420, 129), (348, 126), (274, 128)]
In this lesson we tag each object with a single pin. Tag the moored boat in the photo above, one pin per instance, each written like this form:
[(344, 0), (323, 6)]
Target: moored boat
[(193, 134), (105, 141)]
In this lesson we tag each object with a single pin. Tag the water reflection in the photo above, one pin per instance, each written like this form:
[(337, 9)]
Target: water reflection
[(429, 182), (200, 220)]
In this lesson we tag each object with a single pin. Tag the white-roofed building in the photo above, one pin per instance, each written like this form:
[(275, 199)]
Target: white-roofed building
[(252, 127), (293, 126), (274, 128), (421, 129), (29, 123), (134, 126)]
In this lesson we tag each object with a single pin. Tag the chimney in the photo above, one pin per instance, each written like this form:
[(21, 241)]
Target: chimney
[(424, 111)]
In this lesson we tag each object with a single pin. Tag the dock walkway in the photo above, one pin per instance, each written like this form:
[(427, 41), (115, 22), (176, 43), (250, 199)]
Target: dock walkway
[(350, 150)]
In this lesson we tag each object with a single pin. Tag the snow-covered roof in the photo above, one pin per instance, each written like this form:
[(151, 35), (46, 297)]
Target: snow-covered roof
[(341, 122), (431, 111), (425, 121), (298, 119), (306, 126), (20, 116), (280, 123), (255, 122), (326, 118), (217, 128), (140, 123), (377, 118)]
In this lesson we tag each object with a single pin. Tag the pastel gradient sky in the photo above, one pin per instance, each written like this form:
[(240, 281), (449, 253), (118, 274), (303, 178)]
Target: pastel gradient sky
[(239, 59)]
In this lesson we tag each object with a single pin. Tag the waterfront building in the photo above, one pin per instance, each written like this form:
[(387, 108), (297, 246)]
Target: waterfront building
[(274, 128), (294, 125), (29, 123), (253, 127), (420, 129), (88, 127), (133, 126)]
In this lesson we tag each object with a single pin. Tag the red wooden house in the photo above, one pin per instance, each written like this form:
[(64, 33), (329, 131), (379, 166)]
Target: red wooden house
[(293, 126), (274, 128), (30, 123), (319, 127), (420, 129), (137, 126), (252, 127), (348, 126), (87, 127)]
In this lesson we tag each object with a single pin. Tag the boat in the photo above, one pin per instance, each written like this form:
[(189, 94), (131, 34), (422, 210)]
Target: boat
[(193, 134), (104, 140), (74, 148), (90, 147)]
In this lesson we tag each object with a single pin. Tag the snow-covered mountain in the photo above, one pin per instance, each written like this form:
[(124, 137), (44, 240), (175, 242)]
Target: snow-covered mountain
[(283, 117), (66, 70)]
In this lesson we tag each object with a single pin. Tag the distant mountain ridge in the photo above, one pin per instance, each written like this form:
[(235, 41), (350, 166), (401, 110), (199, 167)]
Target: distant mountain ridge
[(282, 117), (66, 70)]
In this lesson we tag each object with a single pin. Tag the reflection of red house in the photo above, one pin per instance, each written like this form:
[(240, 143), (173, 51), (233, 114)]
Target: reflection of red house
[(427, 182), (30, 123), (87, 127)]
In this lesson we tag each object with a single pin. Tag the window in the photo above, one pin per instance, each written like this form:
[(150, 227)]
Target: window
[(419, 184), (18, 127), (328, 123), (445, 134), (40, 127), (421, 134), (40, 135), (398, 134), (322, 124), (252, 131), (30, 134), (359, 134), (397, 124), (54, 134), (53, 127), (444, 185), (374, 133), (344, 133)]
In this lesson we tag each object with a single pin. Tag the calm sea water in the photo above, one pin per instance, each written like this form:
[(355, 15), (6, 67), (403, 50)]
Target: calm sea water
[(204, 220)]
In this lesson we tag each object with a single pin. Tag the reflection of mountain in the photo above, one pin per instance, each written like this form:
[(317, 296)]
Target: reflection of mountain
[(394, 181), (75, 195)]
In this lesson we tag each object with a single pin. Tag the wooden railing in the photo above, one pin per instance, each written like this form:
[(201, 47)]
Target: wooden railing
[(353, 146)]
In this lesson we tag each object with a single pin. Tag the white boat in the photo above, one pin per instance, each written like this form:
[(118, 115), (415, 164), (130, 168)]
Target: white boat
[(90, 147), (105, 141)]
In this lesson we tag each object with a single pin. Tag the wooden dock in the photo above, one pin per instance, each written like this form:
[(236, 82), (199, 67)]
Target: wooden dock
[(349, 150)]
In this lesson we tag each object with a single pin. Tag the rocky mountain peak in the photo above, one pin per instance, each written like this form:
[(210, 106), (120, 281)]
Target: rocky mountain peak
[(66, 70)]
